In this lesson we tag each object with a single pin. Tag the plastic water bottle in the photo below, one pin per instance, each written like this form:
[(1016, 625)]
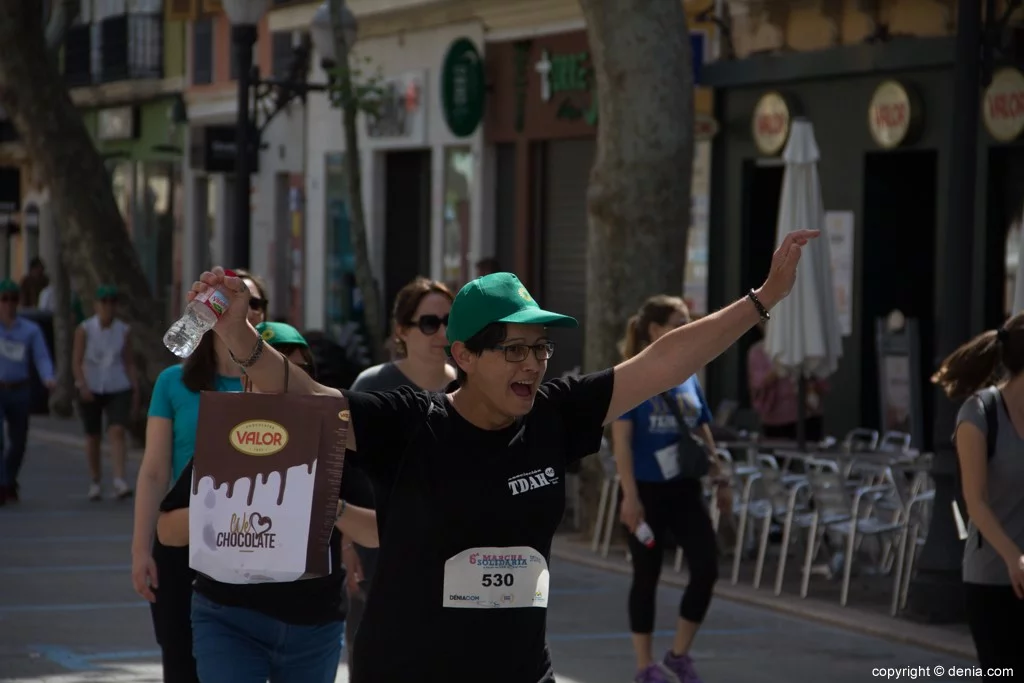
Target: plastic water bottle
[(644, 534), (201, 314)]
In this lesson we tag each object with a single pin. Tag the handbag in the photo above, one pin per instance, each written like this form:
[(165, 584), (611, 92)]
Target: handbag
[(691, 455)]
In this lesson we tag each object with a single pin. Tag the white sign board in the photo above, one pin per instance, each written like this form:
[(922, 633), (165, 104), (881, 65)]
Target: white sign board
[(839, 230)]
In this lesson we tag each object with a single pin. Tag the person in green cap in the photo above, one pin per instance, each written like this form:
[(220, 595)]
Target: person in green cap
[(21, 344), (104, 370), (471, 481)]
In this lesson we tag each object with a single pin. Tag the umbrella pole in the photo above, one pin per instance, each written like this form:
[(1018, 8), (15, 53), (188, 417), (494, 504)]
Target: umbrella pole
[(801, 413)]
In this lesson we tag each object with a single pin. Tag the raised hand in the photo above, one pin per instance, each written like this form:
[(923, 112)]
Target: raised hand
[(782, 275), (232, 287)]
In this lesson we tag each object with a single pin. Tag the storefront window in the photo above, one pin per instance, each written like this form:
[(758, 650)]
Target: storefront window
[(695, 288), (148, 194), (1013, 255), (458, 183)]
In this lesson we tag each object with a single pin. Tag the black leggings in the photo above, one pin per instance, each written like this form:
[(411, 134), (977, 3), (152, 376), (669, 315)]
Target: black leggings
[(172, 613), (676, 506), (995, 616)]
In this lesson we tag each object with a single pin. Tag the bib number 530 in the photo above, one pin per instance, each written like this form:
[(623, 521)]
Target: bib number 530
[(497, 580)]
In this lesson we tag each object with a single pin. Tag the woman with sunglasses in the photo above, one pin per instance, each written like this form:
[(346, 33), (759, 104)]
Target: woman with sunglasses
[(660, 467), (160, 573), (418, 322), (476, 475), (104, 370), (287, 632)]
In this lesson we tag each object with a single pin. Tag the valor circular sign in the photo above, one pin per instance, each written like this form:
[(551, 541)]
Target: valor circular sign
[(462, 87), (772, 119), (1004, 105), (890, 114)]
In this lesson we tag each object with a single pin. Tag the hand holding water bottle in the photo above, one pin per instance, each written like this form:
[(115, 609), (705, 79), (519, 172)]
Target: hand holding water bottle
[(233, 289), (218, 299)]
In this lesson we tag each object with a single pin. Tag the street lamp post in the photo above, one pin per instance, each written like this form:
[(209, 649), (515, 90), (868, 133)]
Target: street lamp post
[(244, 16)]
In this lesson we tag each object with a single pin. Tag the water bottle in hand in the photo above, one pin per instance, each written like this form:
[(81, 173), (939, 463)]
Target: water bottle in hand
[(201, 314), (644, 534)]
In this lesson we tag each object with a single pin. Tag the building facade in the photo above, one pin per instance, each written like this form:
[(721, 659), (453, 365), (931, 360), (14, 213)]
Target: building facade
[(882, 113), (123, 63), (276, 161), (422, 187), (540, 129)]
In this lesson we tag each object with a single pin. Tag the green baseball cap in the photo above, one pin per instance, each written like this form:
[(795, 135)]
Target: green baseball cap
[(106, 292), (281, 334), (497, 298), (8, 285)]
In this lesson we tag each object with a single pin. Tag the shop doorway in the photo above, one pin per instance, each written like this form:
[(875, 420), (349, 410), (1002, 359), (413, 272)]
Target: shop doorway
[(898, 262), (406, 220), (762, 190), (1004, 227)]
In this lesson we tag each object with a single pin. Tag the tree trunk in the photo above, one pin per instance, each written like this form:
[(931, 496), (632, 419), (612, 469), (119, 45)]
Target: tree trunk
[(62, 398), (95, 244), (367, 283), (639, 196)]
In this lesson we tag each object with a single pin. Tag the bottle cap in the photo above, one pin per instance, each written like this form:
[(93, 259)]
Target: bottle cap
[(230, 273)]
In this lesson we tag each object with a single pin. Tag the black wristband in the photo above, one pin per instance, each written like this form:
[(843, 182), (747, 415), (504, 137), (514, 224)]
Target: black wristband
[(761, 310)]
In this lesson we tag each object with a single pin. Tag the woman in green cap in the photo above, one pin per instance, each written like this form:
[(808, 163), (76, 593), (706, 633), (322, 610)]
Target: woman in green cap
[(476, 475), (282, 632)]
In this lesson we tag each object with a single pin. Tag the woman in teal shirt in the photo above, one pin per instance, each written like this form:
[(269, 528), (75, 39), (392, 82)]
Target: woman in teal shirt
[(161, 573)]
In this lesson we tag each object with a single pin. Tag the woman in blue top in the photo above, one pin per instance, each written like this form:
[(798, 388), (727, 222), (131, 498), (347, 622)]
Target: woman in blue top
[(161, 573), (646, 443)]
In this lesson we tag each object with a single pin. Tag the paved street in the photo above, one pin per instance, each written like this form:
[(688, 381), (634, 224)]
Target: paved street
[(68, 613)]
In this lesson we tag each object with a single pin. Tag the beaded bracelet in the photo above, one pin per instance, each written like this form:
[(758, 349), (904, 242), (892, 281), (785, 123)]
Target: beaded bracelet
[(761, 310), (257, 353)]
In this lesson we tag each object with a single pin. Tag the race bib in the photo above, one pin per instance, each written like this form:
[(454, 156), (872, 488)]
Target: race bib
[(668, 461), (496, 578), (12, 350)]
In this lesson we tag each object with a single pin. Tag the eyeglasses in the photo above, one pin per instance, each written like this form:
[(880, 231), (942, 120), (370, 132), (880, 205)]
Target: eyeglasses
[(517, 353), (430, 324), (257, 304)]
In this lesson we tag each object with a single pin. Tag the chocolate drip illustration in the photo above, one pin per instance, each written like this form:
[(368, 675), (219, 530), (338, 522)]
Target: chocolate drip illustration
[(246, 438)]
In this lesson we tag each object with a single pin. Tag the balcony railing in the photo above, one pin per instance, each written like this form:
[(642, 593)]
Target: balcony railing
[(131, 47), (122, 47)]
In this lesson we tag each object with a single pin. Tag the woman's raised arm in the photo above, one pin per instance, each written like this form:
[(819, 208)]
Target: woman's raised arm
[(676, 356)]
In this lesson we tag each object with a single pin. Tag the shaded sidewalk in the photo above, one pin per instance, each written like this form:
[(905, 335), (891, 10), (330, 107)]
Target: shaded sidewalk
[(867, 609)]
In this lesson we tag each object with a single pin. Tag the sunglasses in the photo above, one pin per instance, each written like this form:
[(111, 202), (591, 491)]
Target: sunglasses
[(430, 324), (257, 304), (9, 299)]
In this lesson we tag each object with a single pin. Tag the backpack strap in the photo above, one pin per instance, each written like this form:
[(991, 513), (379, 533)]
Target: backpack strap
[(990, 403)]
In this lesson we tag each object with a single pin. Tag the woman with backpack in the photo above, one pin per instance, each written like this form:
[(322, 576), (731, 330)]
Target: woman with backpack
[(989, 372), (660, 466)]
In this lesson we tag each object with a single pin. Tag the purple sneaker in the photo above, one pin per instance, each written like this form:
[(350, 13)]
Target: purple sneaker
[(682, 667), (656, 673)]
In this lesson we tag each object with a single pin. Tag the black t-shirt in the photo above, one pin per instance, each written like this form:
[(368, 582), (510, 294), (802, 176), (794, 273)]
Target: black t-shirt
[(451, 488), (304, 602)]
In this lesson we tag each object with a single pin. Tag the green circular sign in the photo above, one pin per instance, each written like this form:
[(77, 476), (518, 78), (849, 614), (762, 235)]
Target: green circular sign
[(462, 87)]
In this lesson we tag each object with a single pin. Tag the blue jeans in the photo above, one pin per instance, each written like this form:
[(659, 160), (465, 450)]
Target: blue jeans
[(14, 410), (237, 645)]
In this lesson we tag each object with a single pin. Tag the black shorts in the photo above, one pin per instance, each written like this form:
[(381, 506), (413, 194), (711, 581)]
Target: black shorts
[(117, 406)]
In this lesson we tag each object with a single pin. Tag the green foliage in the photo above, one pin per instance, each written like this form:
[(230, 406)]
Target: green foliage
[(356, 84)]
